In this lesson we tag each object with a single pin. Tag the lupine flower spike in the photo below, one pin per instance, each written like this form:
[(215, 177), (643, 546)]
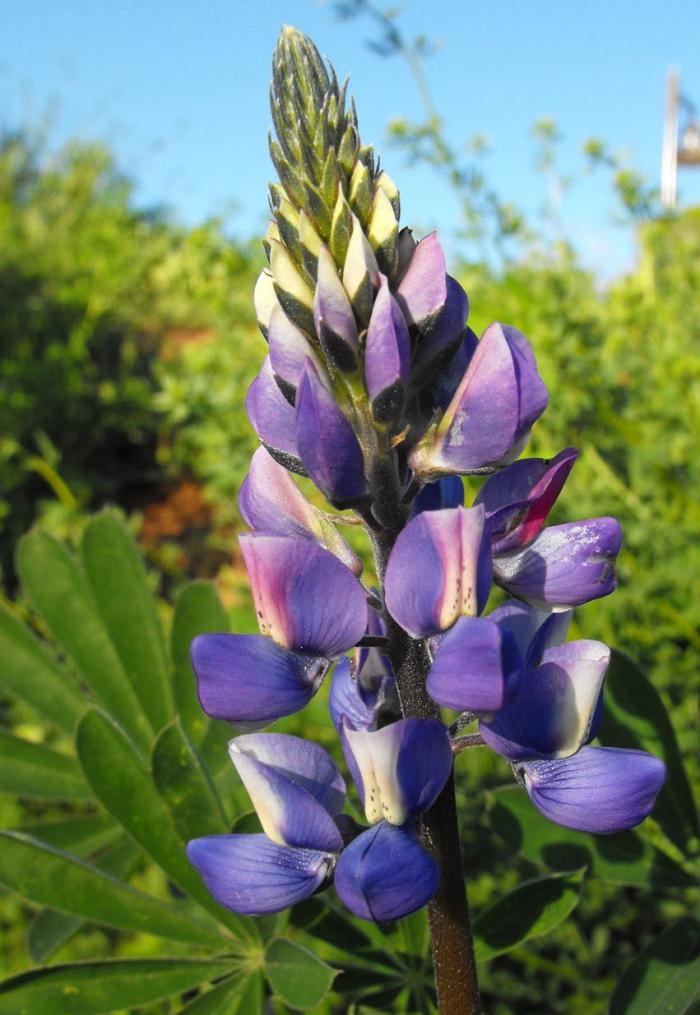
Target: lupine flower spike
[(375, 388)]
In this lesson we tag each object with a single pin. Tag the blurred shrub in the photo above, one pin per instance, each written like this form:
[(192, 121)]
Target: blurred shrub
[(90, 290)]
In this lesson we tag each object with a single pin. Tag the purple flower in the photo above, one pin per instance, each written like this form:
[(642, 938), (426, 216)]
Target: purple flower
[(311, 609), (271, 503), (439, 570), (488, 421), (361, 689), (298, 794)]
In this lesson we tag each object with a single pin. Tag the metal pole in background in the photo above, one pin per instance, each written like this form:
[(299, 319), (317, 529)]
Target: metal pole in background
[(669, 151)]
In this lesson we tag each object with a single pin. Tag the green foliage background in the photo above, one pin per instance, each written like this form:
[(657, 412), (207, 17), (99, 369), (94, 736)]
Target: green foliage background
[(127, 345)]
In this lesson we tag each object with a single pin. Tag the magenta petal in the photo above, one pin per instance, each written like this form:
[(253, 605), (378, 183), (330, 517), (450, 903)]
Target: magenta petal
[(476, 666), (289, 350), (271, 414), (423, 288), (387, 345), (439, 570), (246, 678), (518, 499), (385, 874), (305, 598), (252, 875), (327, 444), (600, 789), (567, 565)]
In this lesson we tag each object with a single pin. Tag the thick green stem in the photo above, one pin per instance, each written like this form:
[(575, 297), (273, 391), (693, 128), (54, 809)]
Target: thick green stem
[(450, 928)]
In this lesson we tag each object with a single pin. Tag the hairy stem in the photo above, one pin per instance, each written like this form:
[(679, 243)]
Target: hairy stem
[(448, 913)]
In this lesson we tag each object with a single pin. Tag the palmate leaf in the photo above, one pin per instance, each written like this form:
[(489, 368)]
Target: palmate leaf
[(635, 716), (52, 877), (664, 979), (50, 928), (33, 770), (531, 910), (117, 577), (90, 988), (82, 836), (61, 595), (31, 673), (296, 975), (123, 784), (624, 858), (241, 994), (184, 784)]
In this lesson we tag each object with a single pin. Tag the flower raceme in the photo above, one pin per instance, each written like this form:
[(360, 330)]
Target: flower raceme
[(375, 388)]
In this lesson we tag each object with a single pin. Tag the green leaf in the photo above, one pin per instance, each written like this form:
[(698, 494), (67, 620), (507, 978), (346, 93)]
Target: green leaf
[(90, 988), (635, 716), (664, 979), (624, 858), (124, 786), (530, 910), (185, 786), (33, 770), (296, 975), (50, 929), (61, 595), (241, 994), (31, 672), (198, 610), (78, 835), (117, 576), (51, 877)]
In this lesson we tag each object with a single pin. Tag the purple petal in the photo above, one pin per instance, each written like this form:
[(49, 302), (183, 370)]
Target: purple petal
[(387, 345), (518, 499), (294, 787), (270, 413), (289, 350), (447, 492), (477, 665), (400, 769), (305, 598), (443, 390), (567, 565), (423, 289), (439, 570), (490, 415), (307, 763), (252, 875), (385, 874), (327, 444), (246, 678), (533, 630), (345, 701), (448, 327), (550, 713), (600, 789), (333, 316), (271, 502)]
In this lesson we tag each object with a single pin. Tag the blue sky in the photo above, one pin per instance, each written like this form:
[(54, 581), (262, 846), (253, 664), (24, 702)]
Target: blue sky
[(180, 92)]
